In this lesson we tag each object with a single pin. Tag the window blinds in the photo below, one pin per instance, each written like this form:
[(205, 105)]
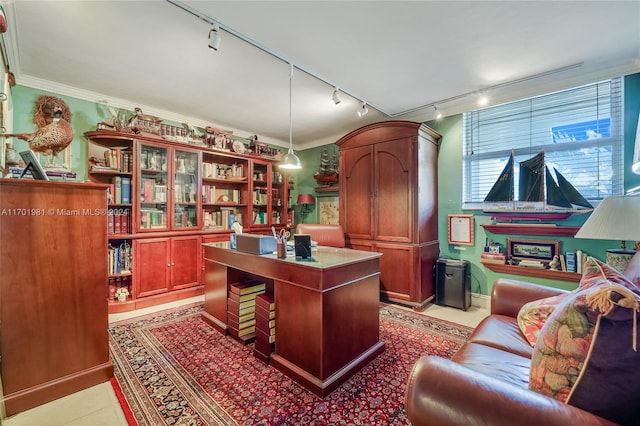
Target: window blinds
[(580, 131)]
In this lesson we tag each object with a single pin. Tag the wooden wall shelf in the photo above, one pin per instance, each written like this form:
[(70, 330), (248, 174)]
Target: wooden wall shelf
[(532, 272), (334, 188), (532, 229)]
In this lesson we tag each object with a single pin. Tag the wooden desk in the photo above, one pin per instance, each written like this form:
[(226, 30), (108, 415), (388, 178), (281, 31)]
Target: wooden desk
[(327, 311)]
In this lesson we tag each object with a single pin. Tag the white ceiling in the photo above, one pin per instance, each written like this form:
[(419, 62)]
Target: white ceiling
[(398, 56)]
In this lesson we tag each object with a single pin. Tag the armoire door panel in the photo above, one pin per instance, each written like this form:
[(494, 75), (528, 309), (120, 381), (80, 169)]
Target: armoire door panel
[(396, 270), (357, 183), (185, 266), (394, 191)]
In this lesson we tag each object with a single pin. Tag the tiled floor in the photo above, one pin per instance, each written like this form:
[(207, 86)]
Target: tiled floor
[(99, 406)]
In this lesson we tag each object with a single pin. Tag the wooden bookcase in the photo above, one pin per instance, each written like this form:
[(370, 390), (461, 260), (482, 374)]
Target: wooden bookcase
[(53, 313), (181, 196)]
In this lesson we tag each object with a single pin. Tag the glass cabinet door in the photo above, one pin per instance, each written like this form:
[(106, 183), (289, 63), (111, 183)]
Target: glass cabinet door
[(153, 188), (186, 191)]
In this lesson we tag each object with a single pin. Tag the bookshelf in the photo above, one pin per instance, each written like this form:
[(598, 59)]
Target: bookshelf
[(181, 195)]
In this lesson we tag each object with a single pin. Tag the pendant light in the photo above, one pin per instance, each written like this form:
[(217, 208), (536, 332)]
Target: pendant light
[(290, 161)]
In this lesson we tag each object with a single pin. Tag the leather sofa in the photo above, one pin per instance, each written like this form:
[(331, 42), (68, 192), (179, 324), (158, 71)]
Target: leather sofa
[(324, 235), (486, 381)]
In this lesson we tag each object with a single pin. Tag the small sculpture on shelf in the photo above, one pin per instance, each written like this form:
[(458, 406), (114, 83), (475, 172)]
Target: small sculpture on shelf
[(122, 293)]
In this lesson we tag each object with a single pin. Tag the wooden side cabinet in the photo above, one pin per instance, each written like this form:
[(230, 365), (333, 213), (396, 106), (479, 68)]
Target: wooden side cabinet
[(53, 311), (389, 203), (166, 264)]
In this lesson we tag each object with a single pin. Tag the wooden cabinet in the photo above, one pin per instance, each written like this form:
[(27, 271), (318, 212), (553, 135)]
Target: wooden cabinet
[(53, 311), (166, 264), (389, 203)]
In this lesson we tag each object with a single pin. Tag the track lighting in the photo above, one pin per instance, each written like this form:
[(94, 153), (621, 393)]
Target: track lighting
[(483, 99), (214, 37), (336, 96), (437, 112), (363, 110)]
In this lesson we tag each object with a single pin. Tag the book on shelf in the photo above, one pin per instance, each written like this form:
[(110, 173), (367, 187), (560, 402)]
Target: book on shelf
[(246, 331), (15, 172), (266, 300), (570, 261), (234, 306), (117, 192), (126, 190), (563, 264), (245, 297), (496, 258)]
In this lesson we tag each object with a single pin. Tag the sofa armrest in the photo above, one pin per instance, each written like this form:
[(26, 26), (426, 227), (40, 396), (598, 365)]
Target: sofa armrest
[(508, 296), (442, 392)]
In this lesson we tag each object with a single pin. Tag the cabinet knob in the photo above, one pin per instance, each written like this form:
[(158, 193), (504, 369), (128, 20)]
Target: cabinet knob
[(168, 265), (173, 264)]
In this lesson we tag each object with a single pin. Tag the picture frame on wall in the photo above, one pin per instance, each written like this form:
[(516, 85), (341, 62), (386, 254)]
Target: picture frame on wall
[(328, 210), (460, 227)]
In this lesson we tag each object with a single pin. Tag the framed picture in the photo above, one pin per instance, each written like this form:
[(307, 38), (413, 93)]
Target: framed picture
[(541, 250), (33, 165), (328, 210), (460, 228)]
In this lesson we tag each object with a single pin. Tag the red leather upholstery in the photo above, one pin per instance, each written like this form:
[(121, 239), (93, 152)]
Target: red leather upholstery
[(324, 235), (486, 382)]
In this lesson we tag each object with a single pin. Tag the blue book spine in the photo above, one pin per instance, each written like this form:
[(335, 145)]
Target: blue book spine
[(570, 258), (126, 190)]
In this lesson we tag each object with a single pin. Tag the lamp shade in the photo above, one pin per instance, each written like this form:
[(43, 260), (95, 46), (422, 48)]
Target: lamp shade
[(305, 199), (635, 165), (616, 218)]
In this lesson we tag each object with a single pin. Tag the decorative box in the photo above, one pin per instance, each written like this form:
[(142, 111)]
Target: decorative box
[(256, 244)]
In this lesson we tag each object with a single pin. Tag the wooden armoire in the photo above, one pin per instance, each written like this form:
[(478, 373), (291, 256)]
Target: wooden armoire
[(389, 204)]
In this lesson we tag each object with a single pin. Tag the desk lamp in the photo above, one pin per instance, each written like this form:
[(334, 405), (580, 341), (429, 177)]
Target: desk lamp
[(616, 218), (306, 200)]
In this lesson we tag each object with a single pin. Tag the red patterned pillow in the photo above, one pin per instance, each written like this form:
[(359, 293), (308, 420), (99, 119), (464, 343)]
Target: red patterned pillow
[(586, 352)]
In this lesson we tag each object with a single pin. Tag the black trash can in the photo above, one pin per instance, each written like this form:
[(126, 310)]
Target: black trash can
[(453, 283)]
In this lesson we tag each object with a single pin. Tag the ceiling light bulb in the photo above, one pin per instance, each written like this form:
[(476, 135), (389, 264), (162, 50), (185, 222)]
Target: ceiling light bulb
[(438, 113), (336, 96), (483, 99), (363, 110), (214, 37)]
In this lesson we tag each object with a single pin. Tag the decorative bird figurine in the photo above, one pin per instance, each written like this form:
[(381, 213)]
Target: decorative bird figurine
[(53, 136)]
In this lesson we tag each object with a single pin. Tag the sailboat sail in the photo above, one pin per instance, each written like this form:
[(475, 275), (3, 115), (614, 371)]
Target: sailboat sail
[(535, 180), (531, 180), (571, 192), (555, 197), (502, 189)]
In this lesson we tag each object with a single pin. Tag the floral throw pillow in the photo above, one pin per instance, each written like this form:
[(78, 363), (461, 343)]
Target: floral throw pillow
[(586, 354), (533, 315)]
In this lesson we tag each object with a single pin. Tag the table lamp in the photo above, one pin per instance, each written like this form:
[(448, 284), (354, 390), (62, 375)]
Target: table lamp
[(616, 218), (305, 200)]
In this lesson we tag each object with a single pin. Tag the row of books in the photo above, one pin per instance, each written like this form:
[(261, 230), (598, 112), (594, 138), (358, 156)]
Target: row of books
[(265, 327), (259, 217), (153, 218), (118, 261), (120, 190), (118, 220), (573, 261), (241, 304), (221, 219), (15, 172), (115, 159), (222, 171), (211, 195)]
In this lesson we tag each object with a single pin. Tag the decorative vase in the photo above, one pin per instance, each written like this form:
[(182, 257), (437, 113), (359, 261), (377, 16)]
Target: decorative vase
[(122, 297)]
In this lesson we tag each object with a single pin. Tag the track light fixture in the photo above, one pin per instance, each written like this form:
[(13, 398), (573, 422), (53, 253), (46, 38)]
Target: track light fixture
[(214, 37), (437, 112), (363, 110), (483, 99), (336, 96), (290, 160)]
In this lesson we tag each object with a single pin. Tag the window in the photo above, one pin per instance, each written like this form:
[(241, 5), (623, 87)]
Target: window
[(580, 131)]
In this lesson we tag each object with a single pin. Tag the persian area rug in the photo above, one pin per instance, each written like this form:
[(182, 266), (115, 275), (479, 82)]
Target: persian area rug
[(175, 369)]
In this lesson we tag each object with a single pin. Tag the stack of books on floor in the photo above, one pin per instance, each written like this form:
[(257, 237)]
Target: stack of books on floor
[(265, 327), (241, 305)]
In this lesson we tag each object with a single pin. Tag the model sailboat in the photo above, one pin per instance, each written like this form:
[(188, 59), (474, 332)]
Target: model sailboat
[(562, 199)]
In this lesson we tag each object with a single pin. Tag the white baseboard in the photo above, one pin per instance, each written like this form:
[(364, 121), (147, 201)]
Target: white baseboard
[(481, 300)]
